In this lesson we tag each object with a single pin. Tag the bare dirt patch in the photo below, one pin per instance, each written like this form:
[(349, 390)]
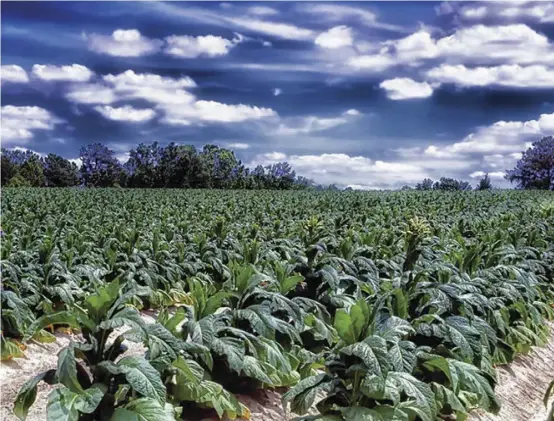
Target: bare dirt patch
[(522, 385)]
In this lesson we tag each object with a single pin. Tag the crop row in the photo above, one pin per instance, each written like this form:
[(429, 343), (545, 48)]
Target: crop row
[(374, 306)]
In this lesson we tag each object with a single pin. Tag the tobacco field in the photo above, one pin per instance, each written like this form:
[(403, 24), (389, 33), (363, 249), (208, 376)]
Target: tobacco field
[(370, 306)]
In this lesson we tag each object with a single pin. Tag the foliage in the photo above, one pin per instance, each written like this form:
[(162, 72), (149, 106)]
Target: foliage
[(383, 305), (484, 183), (426, 184), (100, 167), (148, 166), (59, 172), (535, 169), (451, 184)]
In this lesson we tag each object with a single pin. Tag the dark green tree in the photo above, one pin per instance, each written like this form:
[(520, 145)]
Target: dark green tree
[(485, 183), (32, 170), (9, 169), (60, 172)]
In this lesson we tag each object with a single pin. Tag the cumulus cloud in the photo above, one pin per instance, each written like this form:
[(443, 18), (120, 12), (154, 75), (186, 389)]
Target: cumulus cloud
[(70, 73), (491, 149), (14, 74), (187, 46), (130, 85), (345, 170), (130, 80), (170, 96), (501, 137), (19, 123), (126, 113), (92, 93), (337, 37), (217, 112), (479, 44), (123, 43), (494, 174), (405, 88), (151, 87), (509, 75)]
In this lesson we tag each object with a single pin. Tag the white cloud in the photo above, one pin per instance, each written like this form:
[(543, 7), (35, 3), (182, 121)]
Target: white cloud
[(76, 161), (150, 87), (541, 12), (352, 112), (502, 137), (337, 37), (344, 170), (275, 29), (126, 113), (18, 123), (91, 94), (240, 146), (70, 73), (212, 111), (123, 43), (512, 75), (191, 47), (277, 92), (477, 44), (494, 174), (131, 80), (262, 11), (14, 74), (405, 88)]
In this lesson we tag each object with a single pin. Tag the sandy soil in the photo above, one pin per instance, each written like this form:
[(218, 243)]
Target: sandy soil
[(521, 385), (38, 358)]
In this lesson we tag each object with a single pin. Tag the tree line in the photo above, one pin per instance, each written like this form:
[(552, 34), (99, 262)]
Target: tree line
[(148, 166), (183, 166)]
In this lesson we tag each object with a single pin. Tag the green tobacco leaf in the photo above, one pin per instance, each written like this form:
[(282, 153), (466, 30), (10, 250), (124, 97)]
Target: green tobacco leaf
[(358, 320), (98, 304), (189, 369), (394, 329), (402, 356), (65, 405), (343, 326), (129, 316), (61, 318), (67, 369), (142, 377), (423, 403), (161, 341), (359, 413), (290, 283), (143, 409), (177, 318), (367, 354), (302, 396), (253, 368), (27, 394)]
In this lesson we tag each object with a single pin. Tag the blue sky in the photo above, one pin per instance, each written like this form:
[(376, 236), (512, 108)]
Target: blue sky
[(362, 94)]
